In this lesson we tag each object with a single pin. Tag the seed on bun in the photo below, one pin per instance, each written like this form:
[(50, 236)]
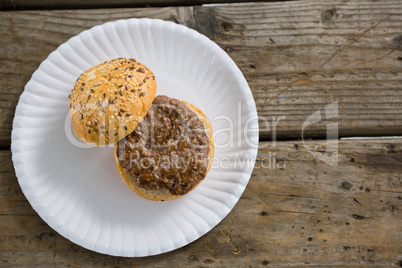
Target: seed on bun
[(110, 99)]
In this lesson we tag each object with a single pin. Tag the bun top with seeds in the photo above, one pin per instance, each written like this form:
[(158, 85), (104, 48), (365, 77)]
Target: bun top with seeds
[(110, 99)]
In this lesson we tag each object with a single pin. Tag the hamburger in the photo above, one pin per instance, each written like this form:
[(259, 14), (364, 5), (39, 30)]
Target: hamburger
[(163, 147)]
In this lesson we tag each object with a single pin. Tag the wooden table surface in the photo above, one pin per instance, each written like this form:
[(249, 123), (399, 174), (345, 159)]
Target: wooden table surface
[(297, 210)]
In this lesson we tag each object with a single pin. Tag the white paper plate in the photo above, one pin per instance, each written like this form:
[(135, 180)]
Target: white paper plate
[(78, 191)]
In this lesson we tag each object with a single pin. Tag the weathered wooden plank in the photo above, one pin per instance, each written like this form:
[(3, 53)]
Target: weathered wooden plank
[(298, 57), (296, 211)]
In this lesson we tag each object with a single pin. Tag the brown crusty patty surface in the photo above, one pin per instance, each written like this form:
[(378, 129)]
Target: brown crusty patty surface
[(168, 149)]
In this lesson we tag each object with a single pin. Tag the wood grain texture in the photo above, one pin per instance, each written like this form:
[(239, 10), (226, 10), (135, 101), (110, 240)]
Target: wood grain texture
[(296, 211), (298, 57)]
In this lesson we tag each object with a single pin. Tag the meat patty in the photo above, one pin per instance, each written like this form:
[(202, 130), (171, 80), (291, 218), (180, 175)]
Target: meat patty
[(168, 149)]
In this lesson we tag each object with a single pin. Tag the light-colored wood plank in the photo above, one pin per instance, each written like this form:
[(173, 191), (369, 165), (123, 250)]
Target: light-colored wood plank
[(296, 211), (298, 57)]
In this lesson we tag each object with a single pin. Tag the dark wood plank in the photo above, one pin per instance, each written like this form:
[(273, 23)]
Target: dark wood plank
[(298, 57), (296, 211), (75, 4)]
